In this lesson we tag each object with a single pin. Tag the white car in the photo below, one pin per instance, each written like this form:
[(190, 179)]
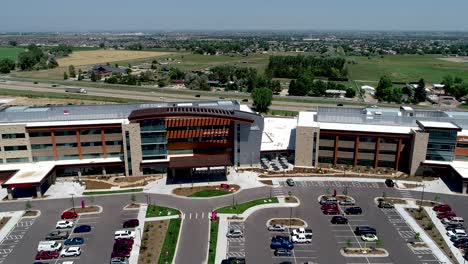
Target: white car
[(64, 224), (457, 233), (276, 228), (70, 252), (126, 234), (369, 237), (302, 231)]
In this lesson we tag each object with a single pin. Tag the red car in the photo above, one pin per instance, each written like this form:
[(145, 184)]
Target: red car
[(442, 208), (122, 247), (124, 241), (47, 255), (69, 215), (443, 215), (332, 211), (120, 254), (329, 206)]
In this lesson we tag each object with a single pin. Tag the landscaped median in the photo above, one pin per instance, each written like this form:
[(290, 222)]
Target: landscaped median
[(240, 208), (214, 226), (206, 191), (114, 191), (160, 211)]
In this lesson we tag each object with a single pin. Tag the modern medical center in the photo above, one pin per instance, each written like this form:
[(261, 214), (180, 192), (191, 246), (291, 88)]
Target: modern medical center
[(186, 140)]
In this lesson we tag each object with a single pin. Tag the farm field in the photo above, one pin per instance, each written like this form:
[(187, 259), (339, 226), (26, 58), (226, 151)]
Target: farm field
[(406, 68), (8, 52), (103, 56)]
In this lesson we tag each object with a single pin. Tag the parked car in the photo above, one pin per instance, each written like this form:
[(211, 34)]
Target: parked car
[(197, 95), (120, 254), (459, 240), (442, 208), (325, 200), (282, 252), (69, 215), (119, 261), (122, 247), (301, 231), (234, 232), (124, 241), (70, 252), (64, 224), (369, 237), (233, 261), (389, 183), (339, 220), (353, 210), (386, 205), (276, 228), (457, 225), (124, 234), (281, 243), (301, 238), (74, 241), (347, 202), (362, 230), (82, 229), (57, 235), (131, 223), (443, 215), (329, 206), (49, 246), (290, 182), (47, 255), (458, 233), (452, 220), (332, 211)]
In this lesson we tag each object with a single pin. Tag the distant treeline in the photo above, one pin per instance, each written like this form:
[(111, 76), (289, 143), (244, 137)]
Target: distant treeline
[(293, 66)]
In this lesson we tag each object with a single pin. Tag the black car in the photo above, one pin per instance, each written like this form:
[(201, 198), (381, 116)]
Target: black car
[(389, 183), (282, 252), (233, 261), (131, 223), (466, 255), (362, 230), (353, 210), (338, 219)]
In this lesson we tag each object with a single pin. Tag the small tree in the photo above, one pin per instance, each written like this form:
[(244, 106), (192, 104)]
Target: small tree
[(348, 243), (71, 71), (93, 77), (262, 98), (417, 236), (437, 198), (28, 205), (133, 198), (65, 76)]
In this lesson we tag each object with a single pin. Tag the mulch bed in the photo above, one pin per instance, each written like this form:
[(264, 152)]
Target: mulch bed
[(267, 182), (191, 190), (31, 213), (359, 251), (152, 241), (291, 199), (393, 200), (87, 209), (133, 206), (3, 221), (285, 222)]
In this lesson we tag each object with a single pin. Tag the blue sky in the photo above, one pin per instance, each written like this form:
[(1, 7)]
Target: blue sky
[(86, 15)]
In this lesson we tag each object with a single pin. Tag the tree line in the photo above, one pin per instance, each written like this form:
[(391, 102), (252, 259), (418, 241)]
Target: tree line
[(305, 85), (294, 66)]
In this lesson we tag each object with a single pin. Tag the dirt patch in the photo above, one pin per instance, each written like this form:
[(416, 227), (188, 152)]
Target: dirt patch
[(427, 203), (456, 59), (412, 185), (339, 198), (191, 190), (291, 199), (425, 222), (103, 56), (132, 206), (418, 245), (4, 221), (267, 182), (87, 209), (285, 222), (364, 251), (31, 213), (107, 182), (152, 242), (96, 185), (392, 200), (130, 179)]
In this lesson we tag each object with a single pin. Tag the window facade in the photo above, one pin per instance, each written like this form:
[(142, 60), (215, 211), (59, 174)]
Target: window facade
[(13, 136), (441, 145), (15, 148)]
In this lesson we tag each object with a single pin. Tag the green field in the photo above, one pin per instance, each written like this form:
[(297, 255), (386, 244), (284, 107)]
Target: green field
[(8, 52), (406, 68)]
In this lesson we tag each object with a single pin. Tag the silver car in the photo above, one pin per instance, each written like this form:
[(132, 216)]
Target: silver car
[(234, 233), (276, 228)]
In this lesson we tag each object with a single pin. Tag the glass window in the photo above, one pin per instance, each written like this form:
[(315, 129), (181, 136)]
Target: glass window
[(347, 138), (114, 155), (16, 135), (42, 146), (367, 139), (327, 137), (326, 148), (152, 125), (114, 143), (91, 144), (92, 156), (43, 158), (68, 157), (389, 140), (346, 149), (90, 132), (385, 164), (66, 145), (462, 145), (17, 160), (113, 130), (15, 148), (325, 160), (40, 134), (367, 163), (64, 133)]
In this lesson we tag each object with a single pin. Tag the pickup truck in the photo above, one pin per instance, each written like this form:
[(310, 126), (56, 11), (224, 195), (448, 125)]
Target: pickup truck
[(302, 239), (57, 235), (301, 231)]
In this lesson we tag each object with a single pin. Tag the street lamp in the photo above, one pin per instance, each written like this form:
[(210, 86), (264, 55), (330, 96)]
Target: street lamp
[(422, 196), (73, 202)]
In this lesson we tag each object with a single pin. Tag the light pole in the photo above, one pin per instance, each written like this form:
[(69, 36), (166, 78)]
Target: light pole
[(73, 202), (290, 210), (422, 196)]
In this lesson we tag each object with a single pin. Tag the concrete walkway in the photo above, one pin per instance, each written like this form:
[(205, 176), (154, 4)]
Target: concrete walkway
[(15, 218), (138, 235), (424, 237)]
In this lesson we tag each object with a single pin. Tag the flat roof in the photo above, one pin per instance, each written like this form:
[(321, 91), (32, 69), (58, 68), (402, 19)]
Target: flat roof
[(439, 125), (278, 134), (461, 167), (35, 172), (367, 128), (307, 119)]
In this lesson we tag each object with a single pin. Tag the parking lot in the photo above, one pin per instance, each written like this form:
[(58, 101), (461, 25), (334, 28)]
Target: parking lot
[(15, 237), (235, 246)]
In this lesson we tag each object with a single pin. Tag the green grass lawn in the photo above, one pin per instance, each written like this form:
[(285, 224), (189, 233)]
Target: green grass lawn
[(213, 241), (156, 210), (240, 208), (209, 193), (170, 241), (406, 68), (9, 52), (114, 192)]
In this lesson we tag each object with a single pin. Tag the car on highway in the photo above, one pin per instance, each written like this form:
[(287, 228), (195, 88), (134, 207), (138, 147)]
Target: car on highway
[(338, 219), (70, 252), (119, 260), (69, 215), (383, 204), (282, 252), (127, 234), (448, 214), (290, 182), (57, 235), (82, 229), (362, 230), (442, 208), (234, 233), (389, 183), (276, 228), (63, 224), (74, 241), (47, 255), (369, 237), (353, 210), (131, 223), (332, 211), (347, 202)]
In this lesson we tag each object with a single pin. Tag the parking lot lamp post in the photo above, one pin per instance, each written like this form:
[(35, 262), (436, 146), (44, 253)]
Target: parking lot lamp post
[(290, 216), (73, 202), (422, 196)]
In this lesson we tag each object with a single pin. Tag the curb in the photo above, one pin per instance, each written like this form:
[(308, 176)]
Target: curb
[(386, 254), (88, 213), (159, 218), (304, 226), (15, 218), (135, 253), (32, 217), (137, 208)]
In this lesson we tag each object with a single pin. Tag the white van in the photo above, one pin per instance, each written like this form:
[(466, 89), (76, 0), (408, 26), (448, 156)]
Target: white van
[(49, 246), (124, 234)]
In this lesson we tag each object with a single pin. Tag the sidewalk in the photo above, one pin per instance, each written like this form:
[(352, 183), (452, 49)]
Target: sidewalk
[(435, 186), (15, 218), (138, 235)]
